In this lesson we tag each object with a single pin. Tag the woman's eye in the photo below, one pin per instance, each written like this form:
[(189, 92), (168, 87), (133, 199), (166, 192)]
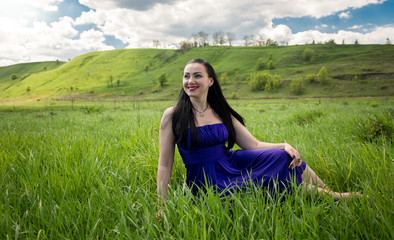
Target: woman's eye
[(186, 76), (198, 76)]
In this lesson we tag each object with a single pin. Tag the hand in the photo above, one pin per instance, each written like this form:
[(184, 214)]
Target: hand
[(296, 162)]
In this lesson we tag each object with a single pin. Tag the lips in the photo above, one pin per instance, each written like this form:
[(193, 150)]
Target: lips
[(192, 88)]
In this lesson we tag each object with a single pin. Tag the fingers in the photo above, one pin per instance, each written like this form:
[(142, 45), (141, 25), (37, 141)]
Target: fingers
[(295, 163)]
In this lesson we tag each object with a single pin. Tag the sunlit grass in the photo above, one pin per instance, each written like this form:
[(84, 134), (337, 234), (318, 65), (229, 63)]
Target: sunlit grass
[(67, 174)]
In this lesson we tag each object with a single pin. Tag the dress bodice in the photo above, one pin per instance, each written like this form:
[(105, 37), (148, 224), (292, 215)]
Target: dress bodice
[(211, 145)]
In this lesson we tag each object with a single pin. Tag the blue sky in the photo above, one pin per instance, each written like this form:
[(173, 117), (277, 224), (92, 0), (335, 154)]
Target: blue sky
[(365, 19), (41, 30)]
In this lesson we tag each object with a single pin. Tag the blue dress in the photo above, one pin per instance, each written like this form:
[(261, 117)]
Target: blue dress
[(213, 165)]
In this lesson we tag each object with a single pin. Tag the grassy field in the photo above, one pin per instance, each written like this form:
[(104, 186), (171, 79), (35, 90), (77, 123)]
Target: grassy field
[(90, 173), (135, 72)]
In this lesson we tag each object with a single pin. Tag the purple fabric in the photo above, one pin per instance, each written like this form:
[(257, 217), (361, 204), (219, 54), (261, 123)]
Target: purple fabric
[(212, 164)]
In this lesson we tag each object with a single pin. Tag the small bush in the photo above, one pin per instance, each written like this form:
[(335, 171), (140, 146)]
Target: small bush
[(223, 78), (322, 75), (308, 55), (311, 78), (259, 64), (374, 104), (376, 127), (264, 81), (92, 109), (270, 65), (156, 88), (163, 79), (14, 76), (297, 86), (307, 117)]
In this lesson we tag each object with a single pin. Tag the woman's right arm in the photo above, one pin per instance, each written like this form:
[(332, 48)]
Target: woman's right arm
[(166, 158)]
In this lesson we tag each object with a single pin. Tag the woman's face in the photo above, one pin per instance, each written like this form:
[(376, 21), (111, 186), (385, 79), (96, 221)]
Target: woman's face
[(196, 81)]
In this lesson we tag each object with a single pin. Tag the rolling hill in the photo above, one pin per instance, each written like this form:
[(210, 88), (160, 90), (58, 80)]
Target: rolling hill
[(135, 72)]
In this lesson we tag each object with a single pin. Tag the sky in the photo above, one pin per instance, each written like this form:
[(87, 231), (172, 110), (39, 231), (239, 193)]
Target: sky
[(48, 30)]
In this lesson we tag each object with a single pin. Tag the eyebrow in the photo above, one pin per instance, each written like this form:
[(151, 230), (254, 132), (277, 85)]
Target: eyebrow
[(193, 73)]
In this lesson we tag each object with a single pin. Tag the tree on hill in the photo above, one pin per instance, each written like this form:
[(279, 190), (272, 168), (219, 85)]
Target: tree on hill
[(246, 39), (14, 76), (218, 38), (156, 43), (203, 38), (230, 37), (185, 45)]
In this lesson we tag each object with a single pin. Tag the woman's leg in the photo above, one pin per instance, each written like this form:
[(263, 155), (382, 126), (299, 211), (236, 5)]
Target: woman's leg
[(309, 176), (314, 184)]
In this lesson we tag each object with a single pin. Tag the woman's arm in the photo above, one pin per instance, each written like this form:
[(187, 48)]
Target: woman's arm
[(247, 141), (166, 158)]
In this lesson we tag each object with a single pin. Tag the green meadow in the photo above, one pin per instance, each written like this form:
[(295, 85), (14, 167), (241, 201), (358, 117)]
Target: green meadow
[(352, 70), (87, 170)]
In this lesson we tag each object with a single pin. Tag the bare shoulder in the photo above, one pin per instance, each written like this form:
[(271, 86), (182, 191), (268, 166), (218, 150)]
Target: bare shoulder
[(166, 119)]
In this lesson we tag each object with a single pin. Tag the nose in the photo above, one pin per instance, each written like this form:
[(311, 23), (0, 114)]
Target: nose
[(192, 79)]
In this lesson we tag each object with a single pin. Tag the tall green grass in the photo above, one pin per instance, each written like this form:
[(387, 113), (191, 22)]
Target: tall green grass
[(69, 174)]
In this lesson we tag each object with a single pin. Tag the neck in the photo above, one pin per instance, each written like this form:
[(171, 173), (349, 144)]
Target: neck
[(199, 105)]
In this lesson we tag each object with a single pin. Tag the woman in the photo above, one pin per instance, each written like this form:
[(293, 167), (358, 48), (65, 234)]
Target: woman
[(202, 122)]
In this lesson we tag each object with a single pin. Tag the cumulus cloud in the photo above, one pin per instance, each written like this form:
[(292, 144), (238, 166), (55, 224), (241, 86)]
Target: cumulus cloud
[(129, 4), (136, 23), (345, 15), (376, 36), (39, 41)]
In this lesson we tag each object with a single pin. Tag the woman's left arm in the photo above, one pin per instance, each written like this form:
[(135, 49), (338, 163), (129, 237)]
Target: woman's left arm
[(247, 141)]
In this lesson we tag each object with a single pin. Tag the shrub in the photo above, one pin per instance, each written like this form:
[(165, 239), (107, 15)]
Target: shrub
[(322, 75), (277, 81), (156, 88), (14, 76), (162, 79), (237, 76), (270, 65), (223, 78), (259, 64), (264, 81), (92, 109), (28, 89), (234, 95), (376, 127), (297, 86), (311, 78), (308, 55), (307, 117), (355, 78)]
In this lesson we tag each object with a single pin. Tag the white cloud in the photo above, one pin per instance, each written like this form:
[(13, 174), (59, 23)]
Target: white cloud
[(356, 27), (39, 41), (137, 23), (376, 36), (345, 15)]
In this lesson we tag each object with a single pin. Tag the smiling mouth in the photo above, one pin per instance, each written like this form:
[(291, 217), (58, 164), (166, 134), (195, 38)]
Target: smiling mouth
[(192, 88)]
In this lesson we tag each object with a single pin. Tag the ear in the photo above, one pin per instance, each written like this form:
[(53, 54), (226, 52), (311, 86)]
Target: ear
[(211, 81)]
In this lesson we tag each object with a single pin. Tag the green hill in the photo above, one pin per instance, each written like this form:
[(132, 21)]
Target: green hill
[(135, 72)]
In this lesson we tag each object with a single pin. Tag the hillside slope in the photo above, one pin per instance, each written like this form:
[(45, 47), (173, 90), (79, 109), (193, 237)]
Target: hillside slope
[(135, 72)]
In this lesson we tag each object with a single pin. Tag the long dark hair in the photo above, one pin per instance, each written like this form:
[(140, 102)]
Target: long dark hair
[(183, 117)]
